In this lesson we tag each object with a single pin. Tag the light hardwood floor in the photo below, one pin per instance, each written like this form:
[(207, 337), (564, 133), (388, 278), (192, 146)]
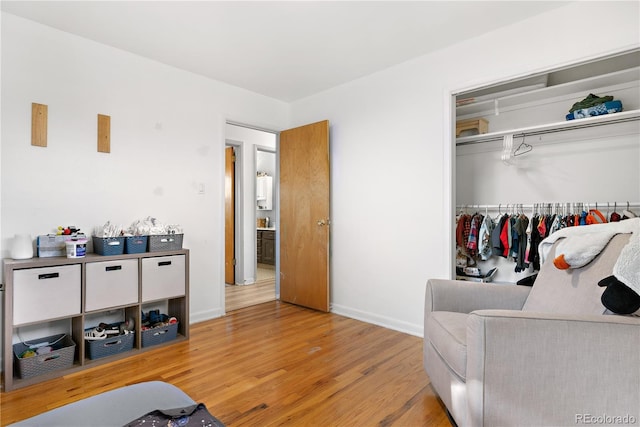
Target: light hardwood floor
[(263, 290), (270, 364), (265, 271)]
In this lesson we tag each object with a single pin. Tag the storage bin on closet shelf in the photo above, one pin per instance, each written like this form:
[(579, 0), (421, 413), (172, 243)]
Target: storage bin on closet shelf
[(478, 125)]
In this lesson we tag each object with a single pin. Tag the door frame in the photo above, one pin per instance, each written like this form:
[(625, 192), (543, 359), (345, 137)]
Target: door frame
[(239, 209)]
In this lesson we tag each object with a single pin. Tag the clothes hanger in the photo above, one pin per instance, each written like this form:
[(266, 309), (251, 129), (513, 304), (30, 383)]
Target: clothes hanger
[(507, 146), (523, 148), (628, 213)]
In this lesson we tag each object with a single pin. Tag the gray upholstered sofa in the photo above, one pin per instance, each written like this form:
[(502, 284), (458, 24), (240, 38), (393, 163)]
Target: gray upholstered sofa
[(547, 355)]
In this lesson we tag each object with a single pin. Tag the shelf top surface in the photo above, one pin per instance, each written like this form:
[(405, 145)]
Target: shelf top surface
[(630, 76), (568, 124), (90, 257)]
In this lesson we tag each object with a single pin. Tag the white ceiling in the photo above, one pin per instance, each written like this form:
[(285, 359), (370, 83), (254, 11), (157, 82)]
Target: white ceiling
[(285, 49)]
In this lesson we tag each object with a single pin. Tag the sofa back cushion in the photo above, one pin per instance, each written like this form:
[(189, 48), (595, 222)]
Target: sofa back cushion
[(574, 291)]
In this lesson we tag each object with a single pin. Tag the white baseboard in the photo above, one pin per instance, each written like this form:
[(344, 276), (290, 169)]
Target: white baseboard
[(376, 319)]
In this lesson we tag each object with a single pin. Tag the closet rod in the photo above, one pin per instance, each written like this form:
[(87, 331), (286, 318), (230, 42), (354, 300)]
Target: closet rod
[(591, 205)]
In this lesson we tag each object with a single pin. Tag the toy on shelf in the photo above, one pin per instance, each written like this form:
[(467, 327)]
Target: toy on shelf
[(67, 231)]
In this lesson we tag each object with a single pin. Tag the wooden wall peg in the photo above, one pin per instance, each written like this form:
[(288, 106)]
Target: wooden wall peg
[(104, 133), (39, 124)]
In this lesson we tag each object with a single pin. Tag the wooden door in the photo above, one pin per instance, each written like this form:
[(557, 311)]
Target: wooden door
[(229, 216), (304, 216)]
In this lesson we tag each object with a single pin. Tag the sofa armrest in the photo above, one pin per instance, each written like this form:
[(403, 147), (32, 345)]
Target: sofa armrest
[(527, 368), (464, 297)]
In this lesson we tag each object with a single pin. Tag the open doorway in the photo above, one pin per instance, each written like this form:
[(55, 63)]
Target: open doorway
[(255, 220), (265, 218)]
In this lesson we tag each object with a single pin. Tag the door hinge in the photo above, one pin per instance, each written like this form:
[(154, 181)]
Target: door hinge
[(233, 158), (233, 262)]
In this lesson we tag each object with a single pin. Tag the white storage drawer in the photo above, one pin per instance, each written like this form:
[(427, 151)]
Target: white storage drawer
[(163, 277), (111, 284), (46, 293)]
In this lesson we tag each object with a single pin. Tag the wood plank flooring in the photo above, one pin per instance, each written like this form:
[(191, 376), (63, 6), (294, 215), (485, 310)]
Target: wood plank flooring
[(270, 364), (263, 290), (241, 296)]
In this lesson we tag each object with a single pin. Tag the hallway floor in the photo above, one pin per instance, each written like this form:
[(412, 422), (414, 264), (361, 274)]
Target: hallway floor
[(263, 290)]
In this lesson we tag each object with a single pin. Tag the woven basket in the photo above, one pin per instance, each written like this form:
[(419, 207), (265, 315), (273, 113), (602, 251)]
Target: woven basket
[(108, 245), (60, 357), (136, 244), (165, 242), (159, 335), (109, 346)]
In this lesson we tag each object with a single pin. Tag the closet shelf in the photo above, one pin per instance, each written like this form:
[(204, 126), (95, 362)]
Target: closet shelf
[(606, 119), (588, 85)]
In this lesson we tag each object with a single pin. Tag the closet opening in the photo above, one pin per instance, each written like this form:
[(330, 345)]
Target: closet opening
[(548, 145)]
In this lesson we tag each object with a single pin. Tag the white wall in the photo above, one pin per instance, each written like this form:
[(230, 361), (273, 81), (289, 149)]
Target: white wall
[(391, 154), (167, 138), (248, 140)]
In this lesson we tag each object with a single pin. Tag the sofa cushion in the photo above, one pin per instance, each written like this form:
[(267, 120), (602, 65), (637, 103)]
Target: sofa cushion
[(574, 291), (447, 332)]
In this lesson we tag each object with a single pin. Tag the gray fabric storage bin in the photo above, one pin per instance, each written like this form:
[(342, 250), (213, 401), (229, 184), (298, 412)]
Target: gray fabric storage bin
[(136, 244), (60, 357), (155, 336), (108, 245), (165, 242), (109, 346)]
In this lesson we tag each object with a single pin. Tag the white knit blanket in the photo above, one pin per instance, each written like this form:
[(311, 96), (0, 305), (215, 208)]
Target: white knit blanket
[(583, 243)]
